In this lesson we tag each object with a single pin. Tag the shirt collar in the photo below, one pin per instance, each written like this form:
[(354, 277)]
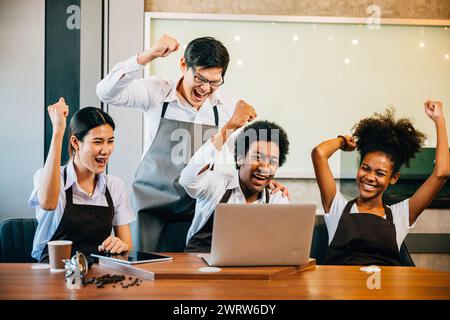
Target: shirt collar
[(213, 100), (172, 96), (234, 182), (235, 186), (72, 179)]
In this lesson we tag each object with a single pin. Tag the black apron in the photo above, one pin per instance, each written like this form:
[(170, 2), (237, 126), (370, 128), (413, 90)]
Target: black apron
[(164, 209), (202, 239), (87, 226), (364, 239)]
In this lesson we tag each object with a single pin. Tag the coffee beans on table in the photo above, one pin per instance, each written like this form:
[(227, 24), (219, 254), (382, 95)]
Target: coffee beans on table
[(103, 280)]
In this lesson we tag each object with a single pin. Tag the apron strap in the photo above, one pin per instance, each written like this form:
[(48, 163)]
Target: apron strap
[(388, 213), (109, 198), (387, 210), (347, 209), (267, 195), (226, 196), (216, 116), (69, 195), (164, 109), (349, 206), (216, 112)]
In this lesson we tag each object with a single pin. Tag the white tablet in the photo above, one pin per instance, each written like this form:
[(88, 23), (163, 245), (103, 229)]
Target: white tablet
[(132, 257)]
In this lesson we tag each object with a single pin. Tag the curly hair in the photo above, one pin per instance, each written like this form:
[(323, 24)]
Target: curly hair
[(261, 131), (396, 138)]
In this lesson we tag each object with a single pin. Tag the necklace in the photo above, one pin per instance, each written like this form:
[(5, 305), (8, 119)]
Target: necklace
[(90, 193)]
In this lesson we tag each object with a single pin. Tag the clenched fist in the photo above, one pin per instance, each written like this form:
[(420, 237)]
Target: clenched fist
[(348, 144), (162, 48), (58, 113), (243, 113), (433, 109)]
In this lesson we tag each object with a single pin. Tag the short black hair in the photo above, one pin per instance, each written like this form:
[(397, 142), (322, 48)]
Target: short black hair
[(261, 131), (84, 120), (207, 52), (396, 138)]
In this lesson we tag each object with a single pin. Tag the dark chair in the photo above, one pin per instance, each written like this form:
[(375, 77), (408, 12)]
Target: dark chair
[(319, 245), (16, 239), (405, 257)]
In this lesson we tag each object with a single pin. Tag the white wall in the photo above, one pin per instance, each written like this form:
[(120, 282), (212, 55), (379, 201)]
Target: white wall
[(90, 51), (126, 37), (317, 79), (125, 29), (22, 111), (22, 102)]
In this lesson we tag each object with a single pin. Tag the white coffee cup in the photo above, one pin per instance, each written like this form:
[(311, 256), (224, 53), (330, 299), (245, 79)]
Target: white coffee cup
[(58, 250)]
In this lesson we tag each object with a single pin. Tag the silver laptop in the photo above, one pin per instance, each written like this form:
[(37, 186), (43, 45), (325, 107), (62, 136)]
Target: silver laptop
[(261, 235)]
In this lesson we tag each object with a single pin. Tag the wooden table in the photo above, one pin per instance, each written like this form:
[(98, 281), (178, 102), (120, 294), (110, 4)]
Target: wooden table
[(20, 281)]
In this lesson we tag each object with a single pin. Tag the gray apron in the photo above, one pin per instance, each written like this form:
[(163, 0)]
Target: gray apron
[(164, 209)]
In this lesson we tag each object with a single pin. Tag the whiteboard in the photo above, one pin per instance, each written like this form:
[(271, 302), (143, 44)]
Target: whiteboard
[(316, 80)]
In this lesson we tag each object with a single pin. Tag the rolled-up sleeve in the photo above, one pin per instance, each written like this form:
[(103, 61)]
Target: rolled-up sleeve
[(121, 86), (123, 213), (33, 201), (195, 184)]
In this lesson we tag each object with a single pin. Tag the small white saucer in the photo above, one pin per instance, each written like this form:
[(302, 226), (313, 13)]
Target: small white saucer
[(370, 269), (40, 266), (209, 269)]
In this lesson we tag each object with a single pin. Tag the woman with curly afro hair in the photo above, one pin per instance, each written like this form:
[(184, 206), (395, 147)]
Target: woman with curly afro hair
[(364, 231)]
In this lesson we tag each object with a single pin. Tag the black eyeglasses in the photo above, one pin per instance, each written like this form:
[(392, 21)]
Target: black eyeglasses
[(198, 78)]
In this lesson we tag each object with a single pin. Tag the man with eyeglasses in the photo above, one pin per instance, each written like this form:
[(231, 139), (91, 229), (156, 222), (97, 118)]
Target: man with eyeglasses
[(193, 107), (260, 149)]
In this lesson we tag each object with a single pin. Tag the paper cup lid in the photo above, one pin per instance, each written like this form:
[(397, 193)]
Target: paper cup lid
[(59, 242)]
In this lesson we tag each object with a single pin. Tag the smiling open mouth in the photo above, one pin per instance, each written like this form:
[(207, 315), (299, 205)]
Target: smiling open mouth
[(101, 161), (199, 95), (261, 177), (367, 187)]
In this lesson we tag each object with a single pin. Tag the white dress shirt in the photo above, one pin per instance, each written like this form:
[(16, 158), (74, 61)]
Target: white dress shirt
[(49, 220), (121, 87), (209, 187)]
